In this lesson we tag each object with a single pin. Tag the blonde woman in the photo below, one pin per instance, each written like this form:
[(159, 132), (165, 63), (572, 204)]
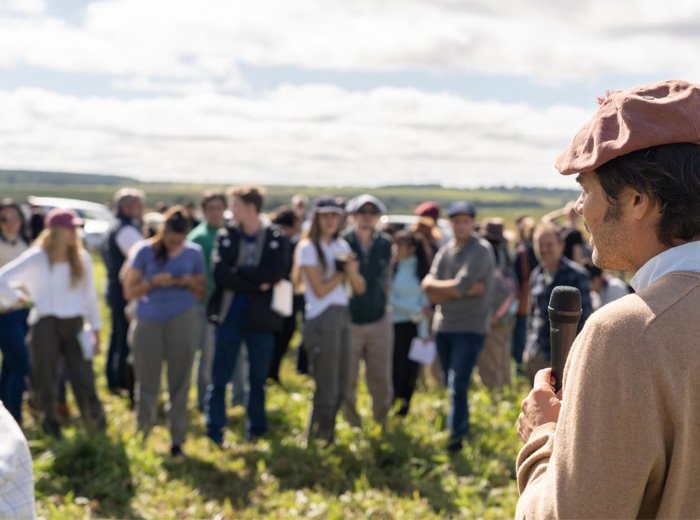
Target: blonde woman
[(57, 275)]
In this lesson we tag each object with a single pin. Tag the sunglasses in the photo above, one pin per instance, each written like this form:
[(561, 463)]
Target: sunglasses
[(372, 212)]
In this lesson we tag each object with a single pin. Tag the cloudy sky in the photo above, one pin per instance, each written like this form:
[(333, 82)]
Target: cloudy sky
[(334, 92)]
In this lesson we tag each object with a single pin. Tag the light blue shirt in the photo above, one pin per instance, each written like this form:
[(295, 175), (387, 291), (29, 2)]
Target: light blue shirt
[(407, 297), (685, 257)]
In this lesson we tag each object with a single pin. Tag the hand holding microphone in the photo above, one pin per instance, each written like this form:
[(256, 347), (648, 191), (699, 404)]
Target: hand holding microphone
[(543, 402), (564, 314)]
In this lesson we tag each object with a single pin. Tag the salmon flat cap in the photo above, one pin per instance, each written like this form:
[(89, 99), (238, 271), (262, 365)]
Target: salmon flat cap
[(665, 112)]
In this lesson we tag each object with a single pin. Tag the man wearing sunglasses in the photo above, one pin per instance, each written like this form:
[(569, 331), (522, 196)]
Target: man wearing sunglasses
[(371, 330)]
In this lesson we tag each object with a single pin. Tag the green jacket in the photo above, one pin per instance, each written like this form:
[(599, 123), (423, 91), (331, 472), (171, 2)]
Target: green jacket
[(375, 267)]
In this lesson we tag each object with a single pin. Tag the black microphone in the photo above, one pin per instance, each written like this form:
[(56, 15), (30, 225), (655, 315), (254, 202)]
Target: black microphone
[(564, 314)]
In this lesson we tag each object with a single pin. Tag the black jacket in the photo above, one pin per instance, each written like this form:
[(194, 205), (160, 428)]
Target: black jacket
[(229, 277)]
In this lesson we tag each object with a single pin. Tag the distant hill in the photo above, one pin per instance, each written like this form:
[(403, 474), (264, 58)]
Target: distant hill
[(58, 178)]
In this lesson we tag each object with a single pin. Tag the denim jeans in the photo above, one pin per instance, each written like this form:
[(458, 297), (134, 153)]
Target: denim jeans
[(228, 338), (459, 352), (15, 360)]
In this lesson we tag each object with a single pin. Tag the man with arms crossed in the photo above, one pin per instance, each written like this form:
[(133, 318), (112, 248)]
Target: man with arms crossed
[(459, 283), (622, 439)]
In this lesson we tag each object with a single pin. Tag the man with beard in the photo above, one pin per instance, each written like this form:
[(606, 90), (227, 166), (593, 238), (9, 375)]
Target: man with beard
[(621, 440)]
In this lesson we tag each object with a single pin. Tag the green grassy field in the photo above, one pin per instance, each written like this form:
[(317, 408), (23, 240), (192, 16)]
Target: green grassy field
[(506, 203), (401, 472)]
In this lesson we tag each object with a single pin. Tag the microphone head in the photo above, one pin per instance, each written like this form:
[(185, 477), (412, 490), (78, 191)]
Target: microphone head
[(565, 299)]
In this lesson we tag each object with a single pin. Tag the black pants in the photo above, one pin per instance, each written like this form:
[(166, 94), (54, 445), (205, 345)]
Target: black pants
[(405, 370), (282, 339), (49, 339), (120, 374)]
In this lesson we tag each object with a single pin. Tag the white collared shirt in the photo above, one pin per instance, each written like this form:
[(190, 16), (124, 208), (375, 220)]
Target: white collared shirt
[(685, 257)]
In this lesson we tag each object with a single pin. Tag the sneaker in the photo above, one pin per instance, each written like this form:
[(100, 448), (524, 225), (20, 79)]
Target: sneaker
[(51, 427), (454, 446), (176, 451)]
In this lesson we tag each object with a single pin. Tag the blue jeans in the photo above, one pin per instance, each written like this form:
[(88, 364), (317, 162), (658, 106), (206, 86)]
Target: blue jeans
[(15, 360), (459, 352), (261, 345)]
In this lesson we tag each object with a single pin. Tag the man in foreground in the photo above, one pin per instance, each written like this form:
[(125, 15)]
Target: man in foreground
[(621, 441)]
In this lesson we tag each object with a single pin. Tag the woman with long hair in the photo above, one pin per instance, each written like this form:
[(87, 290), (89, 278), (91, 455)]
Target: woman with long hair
[(410, 309), (13, 318), (165, 274), (326, 264), (57, 276)]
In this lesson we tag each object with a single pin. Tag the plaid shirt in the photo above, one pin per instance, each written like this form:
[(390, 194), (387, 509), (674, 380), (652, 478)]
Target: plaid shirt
[(16, 478), (541, 287)]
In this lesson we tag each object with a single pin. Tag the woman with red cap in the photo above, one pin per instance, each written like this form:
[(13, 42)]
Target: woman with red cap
[(56, 275)]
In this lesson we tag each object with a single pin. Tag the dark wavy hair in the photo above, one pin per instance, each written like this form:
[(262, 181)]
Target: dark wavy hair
[(11, 203), (670, 176), (177, 220), (414, 240)]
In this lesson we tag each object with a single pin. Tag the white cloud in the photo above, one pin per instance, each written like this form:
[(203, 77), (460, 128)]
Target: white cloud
[(541, 40), (23, 7), (296, 135)]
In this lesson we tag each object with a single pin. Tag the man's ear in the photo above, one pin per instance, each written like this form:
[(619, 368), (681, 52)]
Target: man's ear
[(641, 205)]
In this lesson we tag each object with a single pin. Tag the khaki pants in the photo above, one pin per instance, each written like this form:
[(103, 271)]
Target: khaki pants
[(373, 342), (50, 338), (494, 360), (175, 342)]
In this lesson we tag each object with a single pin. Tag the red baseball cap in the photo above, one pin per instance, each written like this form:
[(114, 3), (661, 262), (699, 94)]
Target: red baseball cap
[(660, 113), (428, 209), (63, 218)]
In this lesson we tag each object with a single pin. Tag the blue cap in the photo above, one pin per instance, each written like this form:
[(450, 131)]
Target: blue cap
[(461, 207)]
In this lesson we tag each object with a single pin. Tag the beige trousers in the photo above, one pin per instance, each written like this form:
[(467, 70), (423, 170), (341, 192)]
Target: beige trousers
[(373, 342), (494, 360)]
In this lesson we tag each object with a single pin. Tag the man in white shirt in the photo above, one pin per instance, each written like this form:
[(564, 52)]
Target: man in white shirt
[(16, 478)]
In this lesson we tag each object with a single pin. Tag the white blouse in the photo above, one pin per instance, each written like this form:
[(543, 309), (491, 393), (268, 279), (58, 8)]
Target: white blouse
[(50, 287)]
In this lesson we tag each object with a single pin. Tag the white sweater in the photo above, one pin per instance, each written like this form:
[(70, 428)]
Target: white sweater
[(50, 287)]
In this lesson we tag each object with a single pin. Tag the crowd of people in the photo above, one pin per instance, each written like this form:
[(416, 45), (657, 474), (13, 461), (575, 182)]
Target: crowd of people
[(204, 292)]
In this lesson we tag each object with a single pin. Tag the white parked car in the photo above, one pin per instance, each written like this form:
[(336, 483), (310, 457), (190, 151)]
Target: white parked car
[(399, 222), (98, 218)]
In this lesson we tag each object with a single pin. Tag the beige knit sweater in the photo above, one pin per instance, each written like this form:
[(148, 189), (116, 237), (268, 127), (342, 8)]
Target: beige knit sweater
[(627, 443)]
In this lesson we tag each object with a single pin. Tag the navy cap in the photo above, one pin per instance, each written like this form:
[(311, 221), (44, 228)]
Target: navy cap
[(461, 207), (328, 205)]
